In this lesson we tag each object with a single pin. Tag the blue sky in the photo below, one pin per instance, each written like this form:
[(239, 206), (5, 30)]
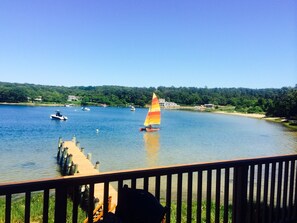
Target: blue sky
[(149, 43)]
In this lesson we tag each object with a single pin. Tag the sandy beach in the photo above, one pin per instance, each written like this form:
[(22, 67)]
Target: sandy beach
[(259, 116)]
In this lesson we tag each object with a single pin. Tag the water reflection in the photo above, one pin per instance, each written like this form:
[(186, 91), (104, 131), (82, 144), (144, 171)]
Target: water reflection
[(152, 147)]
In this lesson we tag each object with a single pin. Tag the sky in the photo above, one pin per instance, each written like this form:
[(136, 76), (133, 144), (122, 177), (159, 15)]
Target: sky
[(149, 43)]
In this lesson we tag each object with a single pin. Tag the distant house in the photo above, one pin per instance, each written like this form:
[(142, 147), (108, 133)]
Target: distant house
[(162, 102), (166, 104), (39, 99), (73, 98), (209, 105), (203, 107)]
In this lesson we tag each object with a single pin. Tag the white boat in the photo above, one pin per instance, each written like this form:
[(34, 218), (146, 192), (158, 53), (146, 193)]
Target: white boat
[(69, 105), (58, 116), (85, 109), (132, 108)]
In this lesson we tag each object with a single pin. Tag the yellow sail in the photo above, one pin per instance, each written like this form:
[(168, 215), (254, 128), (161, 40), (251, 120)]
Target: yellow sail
[(153, 116)]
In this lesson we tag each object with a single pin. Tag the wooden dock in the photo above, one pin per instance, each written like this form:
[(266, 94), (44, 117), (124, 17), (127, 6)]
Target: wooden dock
[(83, 167)]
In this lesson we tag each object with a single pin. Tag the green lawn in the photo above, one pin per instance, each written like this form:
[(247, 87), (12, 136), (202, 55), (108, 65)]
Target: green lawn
[(18, 210)]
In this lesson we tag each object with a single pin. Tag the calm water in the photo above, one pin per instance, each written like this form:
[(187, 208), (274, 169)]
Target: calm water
[(29, 139)]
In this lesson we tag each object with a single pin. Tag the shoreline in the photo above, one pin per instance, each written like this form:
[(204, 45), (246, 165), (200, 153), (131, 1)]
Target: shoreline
[(279, 120), (32, 104), (252, 115), (249, 115), (190, 108)]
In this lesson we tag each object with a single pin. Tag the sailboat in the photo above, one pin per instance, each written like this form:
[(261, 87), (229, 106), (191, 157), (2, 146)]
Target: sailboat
[(153, 116)]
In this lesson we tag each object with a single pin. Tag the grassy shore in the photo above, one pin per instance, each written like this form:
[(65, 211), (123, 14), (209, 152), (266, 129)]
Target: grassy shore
[(287, 123)]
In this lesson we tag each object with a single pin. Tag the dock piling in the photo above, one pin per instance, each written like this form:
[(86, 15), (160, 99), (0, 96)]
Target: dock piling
[(97, 165), (74, 139), (60, 142), (78, 144), (72, 161), (89, 156)]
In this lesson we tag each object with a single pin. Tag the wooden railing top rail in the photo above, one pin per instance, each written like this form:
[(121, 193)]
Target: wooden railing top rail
[(20, 187)]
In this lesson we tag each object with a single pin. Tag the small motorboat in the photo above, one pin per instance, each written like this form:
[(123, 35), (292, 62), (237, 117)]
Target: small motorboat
[(58, 116), (68, 105), (85, 109), (132, 108)]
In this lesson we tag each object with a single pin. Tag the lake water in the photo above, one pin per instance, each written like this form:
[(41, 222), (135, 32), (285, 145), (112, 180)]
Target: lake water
[(29, 139)]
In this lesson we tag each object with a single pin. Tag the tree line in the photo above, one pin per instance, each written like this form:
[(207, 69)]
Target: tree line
[(280, 102)]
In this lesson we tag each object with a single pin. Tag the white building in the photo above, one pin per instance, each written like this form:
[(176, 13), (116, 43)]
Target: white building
[(73, 98), (162, 102), (168, 105), (39, 98)]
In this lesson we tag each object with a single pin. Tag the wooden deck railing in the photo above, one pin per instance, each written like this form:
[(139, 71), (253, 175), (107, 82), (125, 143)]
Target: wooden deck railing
[(248, 190)]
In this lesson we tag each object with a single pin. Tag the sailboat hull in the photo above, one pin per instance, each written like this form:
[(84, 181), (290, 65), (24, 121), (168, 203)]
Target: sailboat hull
[(152, 129), (149, 129)]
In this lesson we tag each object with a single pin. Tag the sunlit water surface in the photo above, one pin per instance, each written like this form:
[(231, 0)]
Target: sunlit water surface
[(29, 139)]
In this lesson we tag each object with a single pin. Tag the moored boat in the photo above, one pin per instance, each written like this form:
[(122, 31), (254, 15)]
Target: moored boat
[(68, 105), (85, 109), (58, 116)]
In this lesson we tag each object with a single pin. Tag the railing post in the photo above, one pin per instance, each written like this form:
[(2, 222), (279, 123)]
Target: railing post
[(168, 197), (8, 208), (240, 194), (45, 205), (27, 207), (60, 204)]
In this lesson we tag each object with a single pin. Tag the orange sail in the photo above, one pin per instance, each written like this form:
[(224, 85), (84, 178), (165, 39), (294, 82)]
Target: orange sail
[(153, 116)]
